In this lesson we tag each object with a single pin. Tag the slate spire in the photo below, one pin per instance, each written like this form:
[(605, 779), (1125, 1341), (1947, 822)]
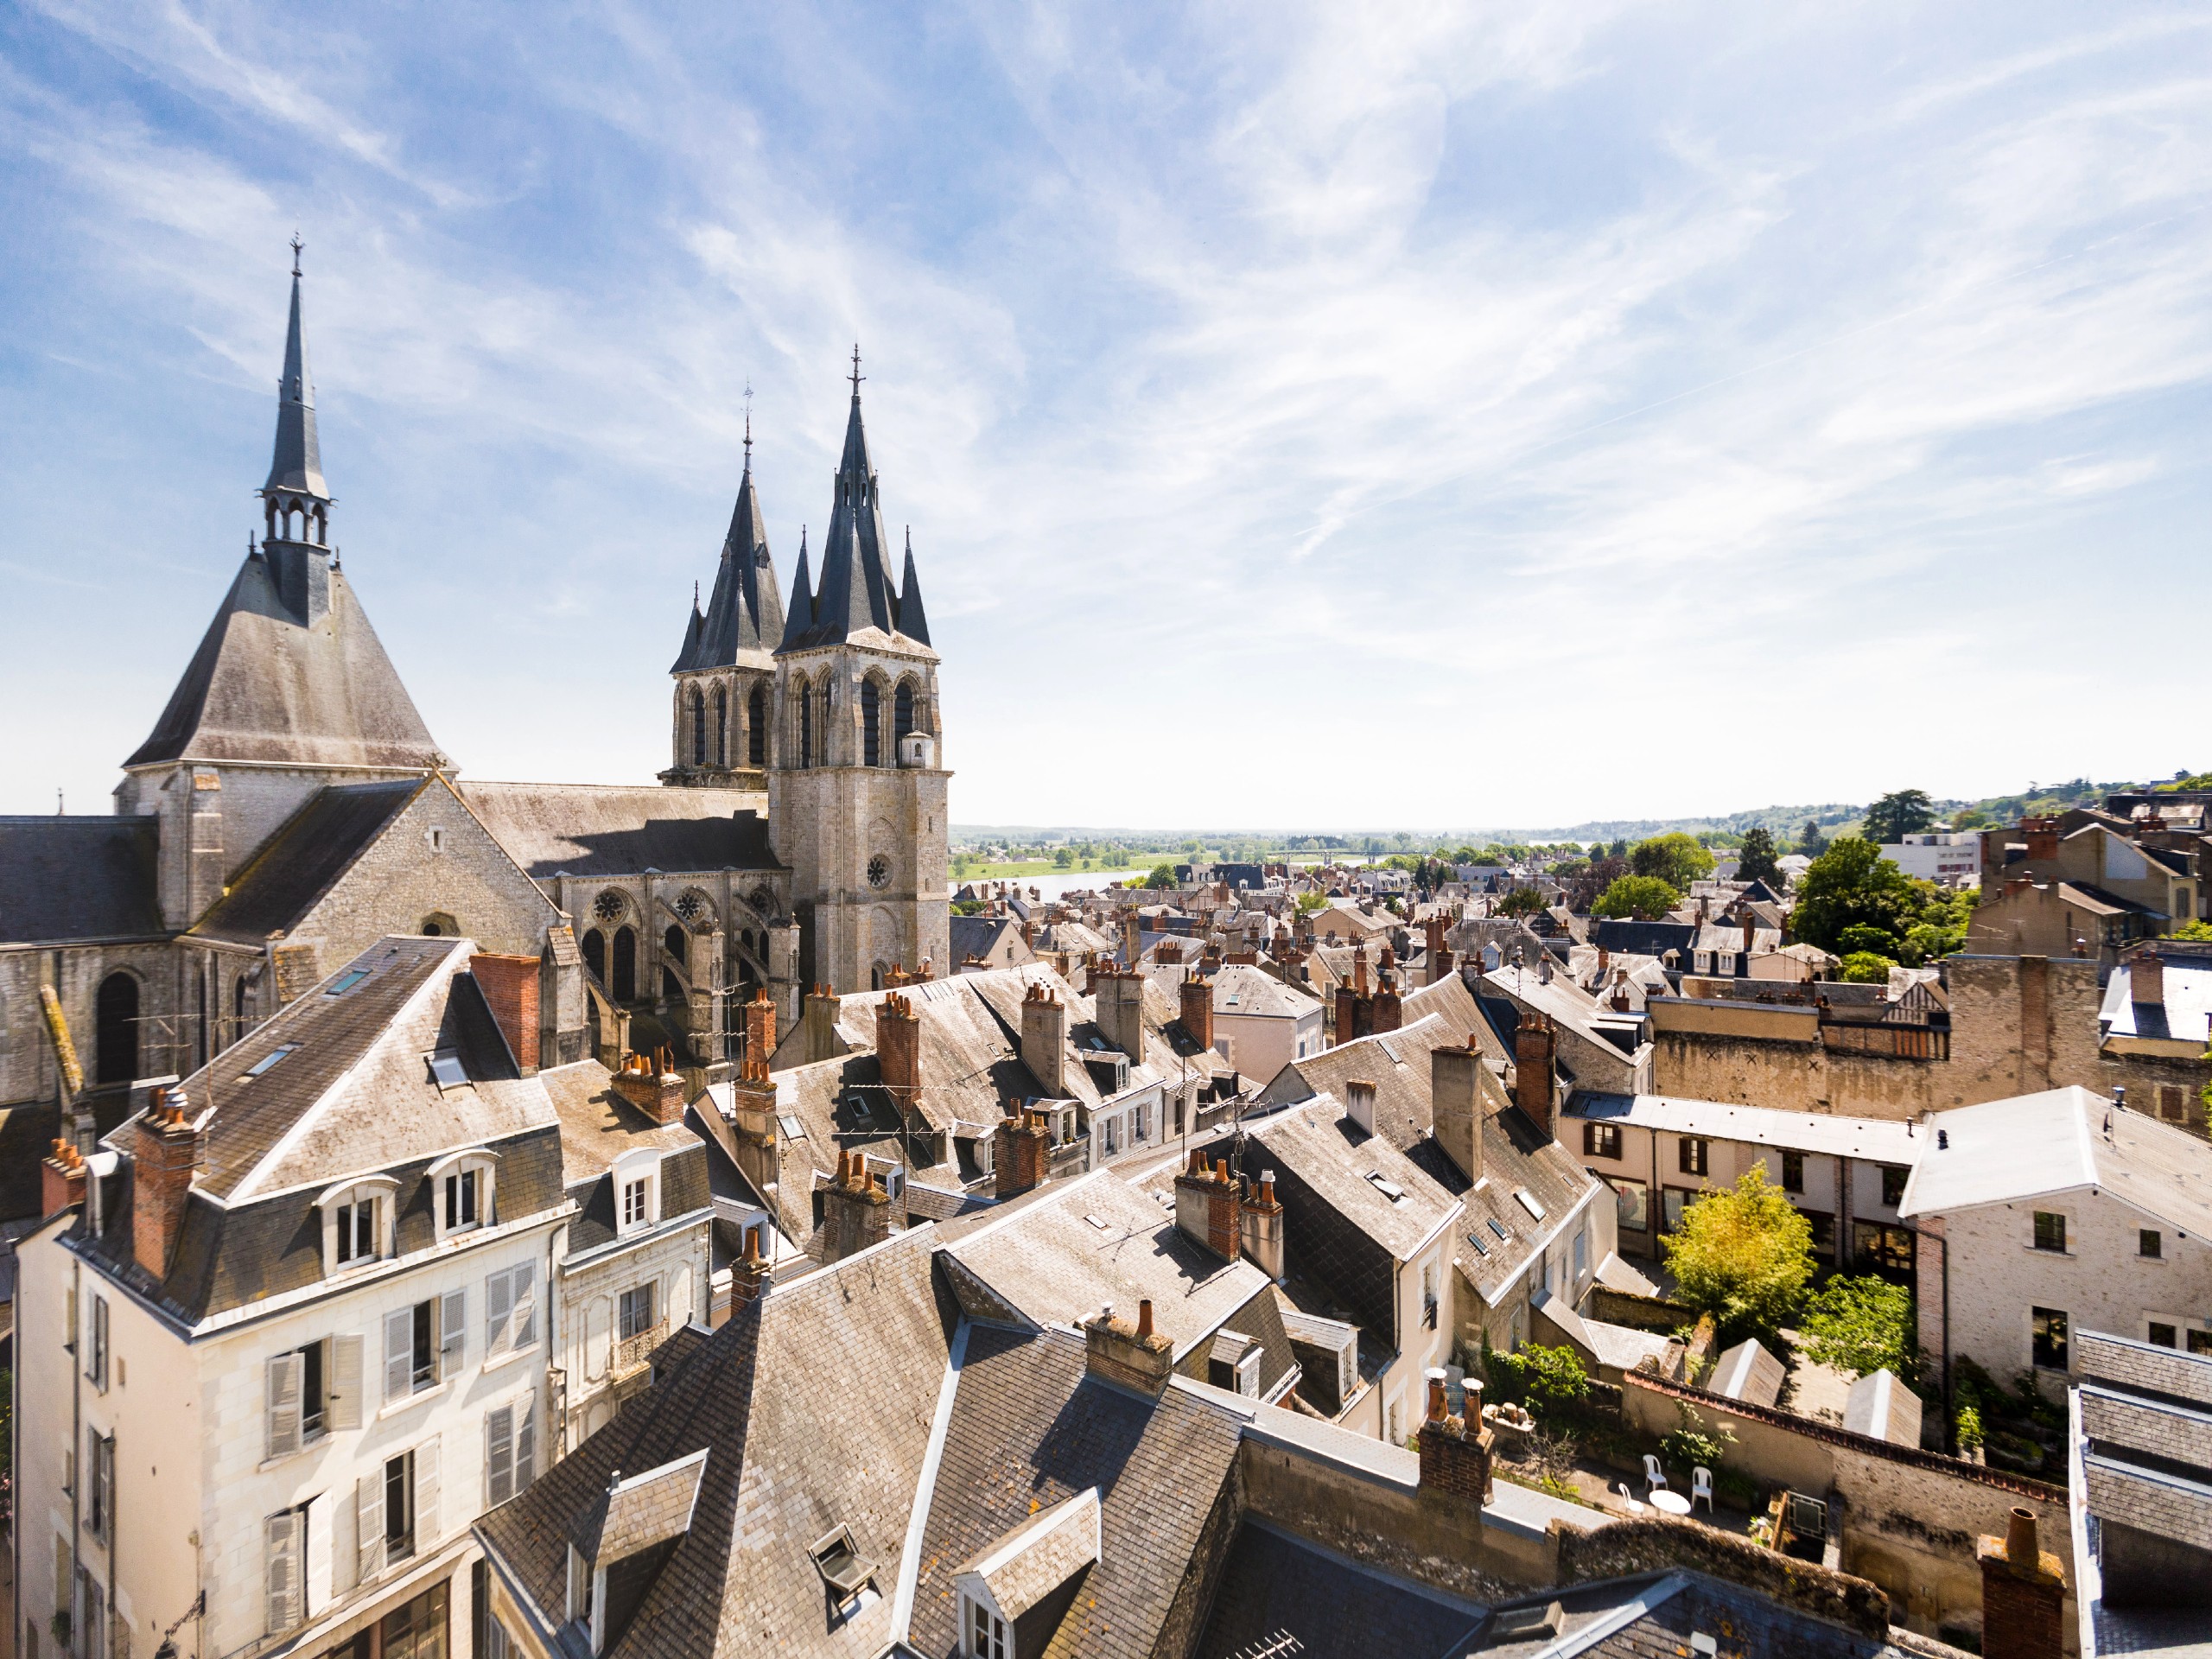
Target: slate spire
[(913, 621), (296, 468), (746, 612), (800, 623)]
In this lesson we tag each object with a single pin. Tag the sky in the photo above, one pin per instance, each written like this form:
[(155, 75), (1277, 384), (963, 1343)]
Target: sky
[(1307, 416)]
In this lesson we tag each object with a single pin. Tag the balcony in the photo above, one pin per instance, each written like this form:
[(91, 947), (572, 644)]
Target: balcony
[(633, 1354)]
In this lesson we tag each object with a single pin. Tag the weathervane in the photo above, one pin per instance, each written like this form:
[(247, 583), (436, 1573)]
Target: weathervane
[(296, 245)]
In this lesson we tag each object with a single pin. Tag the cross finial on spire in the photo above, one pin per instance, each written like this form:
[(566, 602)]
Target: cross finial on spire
[(749, 425), (296, 245), (857, 377)]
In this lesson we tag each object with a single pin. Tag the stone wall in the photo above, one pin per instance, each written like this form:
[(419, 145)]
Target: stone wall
[(1662, 1544)]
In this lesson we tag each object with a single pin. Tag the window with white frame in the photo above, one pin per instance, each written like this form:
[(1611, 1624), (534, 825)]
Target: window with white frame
[(986, 1633), (461, 1191), (637, 1192), (635, 1313), (424, 1345), (96, 1350), (510, 1449), (511, 1311), (357, 1223), (309, 1391)]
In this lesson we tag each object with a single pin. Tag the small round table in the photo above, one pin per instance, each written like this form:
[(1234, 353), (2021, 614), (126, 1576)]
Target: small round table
[(1670, 1502)]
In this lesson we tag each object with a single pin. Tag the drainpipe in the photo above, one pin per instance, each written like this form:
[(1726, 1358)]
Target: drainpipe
[(76, 1435)]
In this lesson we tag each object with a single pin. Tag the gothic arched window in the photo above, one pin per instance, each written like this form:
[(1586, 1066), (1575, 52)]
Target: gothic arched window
[(115, 1023), (756, 728), (624, 988), (871, 723), (722, 727), (676, 945), (698, 728), (594, 948), (902, 709), (805, 725)]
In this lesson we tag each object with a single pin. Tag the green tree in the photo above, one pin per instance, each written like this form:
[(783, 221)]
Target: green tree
[(1863, 1325), (1859, 937), (1812, 843), (1549, 1381), (1639, 897), (1866, 967), (2194, 931), (1521, 901), (1163, 875), (1063, 857), (1853, 885), (1743, 1255), (1757, 861), (1900, 813), (1675, 859)]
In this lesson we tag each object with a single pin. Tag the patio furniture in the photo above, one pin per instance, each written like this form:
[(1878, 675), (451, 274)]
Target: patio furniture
[(1655, 1477), (1669, 1502), (1701, 1486), (1629, 1502)]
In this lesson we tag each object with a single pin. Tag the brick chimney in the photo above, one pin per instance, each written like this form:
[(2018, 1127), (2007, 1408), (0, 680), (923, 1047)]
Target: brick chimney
[(899, 1051), (761, 1026), (1044, 1039), (1119, 993), (162, 1159), (1133, 1356), (1386, 1012), (2042, 835), (1455, 1451), (818, 1020), (61, 1180), (656, 1092), (2022, 1593), (1536, 1048), (1168, 952), (510, 989), (1197, 1009), (1259, 1221), (1206, 1205), (1455, 1106), (1359, 1102), (2146, 981), (756, 1146), (1020, 1152), (855, 1210), (1359, 968), (748, 1276)]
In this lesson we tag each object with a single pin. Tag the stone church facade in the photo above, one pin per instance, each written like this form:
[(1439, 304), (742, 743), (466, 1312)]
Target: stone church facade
[(290, 807)]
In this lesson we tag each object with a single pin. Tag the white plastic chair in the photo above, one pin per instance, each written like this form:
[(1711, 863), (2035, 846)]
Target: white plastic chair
[(1655, 1477), (1628, 1501), (1701, 1486)]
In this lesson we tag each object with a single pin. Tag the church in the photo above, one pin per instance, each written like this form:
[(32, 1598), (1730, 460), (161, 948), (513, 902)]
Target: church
[(289, 807)]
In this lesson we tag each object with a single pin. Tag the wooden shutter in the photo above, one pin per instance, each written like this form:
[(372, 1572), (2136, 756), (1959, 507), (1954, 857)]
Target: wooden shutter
[(498, 1303), (526, 1442), (104, 1485), (453, 1331), (283, 1572), (426, 1496), (522, 1324), (368, 1521), (498, 1455), (284, 1372), (99, 1371), (344, 1407), (398, 1355)]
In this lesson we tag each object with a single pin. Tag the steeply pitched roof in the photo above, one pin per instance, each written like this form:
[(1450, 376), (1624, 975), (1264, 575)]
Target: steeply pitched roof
[(621, 829), (266, 686), (1340, 1162), (1277, 1586), (746, 612), (855, 591), (296, 866), (79, 878), (296, 466)]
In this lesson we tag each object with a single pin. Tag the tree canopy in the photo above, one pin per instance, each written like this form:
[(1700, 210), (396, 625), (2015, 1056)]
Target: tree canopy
[(1853, 885), (1163, 875), (1900, 813), (1757, 862), (1743, 1255), (1812, 843), (1674, 858), (1521, 901), (1637, 898), (1865, 1325)]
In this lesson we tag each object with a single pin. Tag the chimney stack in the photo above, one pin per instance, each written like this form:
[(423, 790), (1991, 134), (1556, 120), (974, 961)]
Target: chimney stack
[(2146, 983), (510, 987), (1455, 1106), (760, 1027), (819, 1021), (1260, 1227), (2022, 1593), (1020, 1154), (1133, 1356), (2042, 835), (1044, 1039), (748, 1276), (855, 1210), (1386, 1011), (1120, 998), (1455, 1451), (899, 1051), (1536, 1048), (1359, 1102), (656, 1092), (61, 1178), (162, 1164), (754, 1143), (1196, 1009), (1359, 968), (1207, 1206)]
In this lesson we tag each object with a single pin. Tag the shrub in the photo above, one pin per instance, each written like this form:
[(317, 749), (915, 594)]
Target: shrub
[(1690, 1445), (1864, 968), (1550, 1382), (1968, 1424)]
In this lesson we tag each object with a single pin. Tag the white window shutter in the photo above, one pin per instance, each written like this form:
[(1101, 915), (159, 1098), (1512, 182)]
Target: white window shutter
[(283, 1572), (526, 1442), (522, 1326), (426, 1496), (398, 1355), (498, 1303), (344, 1407), (283, 1384), (453, 1331), (368, 1520), (498, 1456)]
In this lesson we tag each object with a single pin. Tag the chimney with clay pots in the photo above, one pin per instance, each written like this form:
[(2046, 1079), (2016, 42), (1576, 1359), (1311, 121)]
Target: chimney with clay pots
[(61, 1178), (168, 1150), (1120, 998), (1535, 1049), (510, 987), (656, 1092), (818, 1020), (1044, 1039), (761, 1026), (1206, 1206), (1197, 1008), (2022, 1593), (855, 1210), (1259, 1220), (1020, 1152), (1455, 1451), (749, 1274), (899, 1051), (1132, 1356)]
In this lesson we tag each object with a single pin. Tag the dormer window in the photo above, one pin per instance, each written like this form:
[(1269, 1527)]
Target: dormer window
[(987, 1634), (357, 1222), (637, 1191), (461, 1191)]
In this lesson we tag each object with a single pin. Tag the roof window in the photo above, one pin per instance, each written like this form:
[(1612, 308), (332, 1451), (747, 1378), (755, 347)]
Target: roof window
[(1390, 1190), (446, 1070), (1528, 1201), (346, 981), (839, 1562), (793, 1127), (1475, 1239), (268, 1060), (1096, 1221), (1498, 1227)]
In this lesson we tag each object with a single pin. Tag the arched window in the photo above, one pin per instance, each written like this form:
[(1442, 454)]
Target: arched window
[(698, 728), (871, 724), (678, 945), (722, 727), (624, 988), (805, 725), (115, 1021), (756, 728), (671, 987), (238, 1008), (902, 711), (594, 948)]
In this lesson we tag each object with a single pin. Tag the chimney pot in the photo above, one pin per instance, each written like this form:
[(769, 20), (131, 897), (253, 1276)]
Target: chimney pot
[(1144, 1319), (2020, 1538)]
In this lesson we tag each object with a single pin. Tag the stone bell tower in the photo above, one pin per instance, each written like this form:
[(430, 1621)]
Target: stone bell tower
[(856, 785)]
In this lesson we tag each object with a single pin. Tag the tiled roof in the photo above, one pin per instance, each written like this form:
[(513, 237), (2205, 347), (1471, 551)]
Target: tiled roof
[(297, 865), (615, 829), (1340, 1162), (78, 878), (1277, 1586)]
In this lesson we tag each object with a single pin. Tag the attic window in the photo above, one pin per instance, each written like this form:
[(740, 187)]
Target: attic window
[(268, 1060), (1390, 1190), (1096, 1221), (1475, 1239), (1498, 1227), (793, 1127), (1528, 1201), (837, 1559), (446, 1070), (346, 981)]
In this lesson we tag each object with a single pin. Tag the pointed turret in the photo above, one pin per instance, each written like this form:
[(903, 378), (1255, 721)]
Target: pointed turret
[(800, 622), (856, 591), (746, 612), (296, 468), (913, 621)]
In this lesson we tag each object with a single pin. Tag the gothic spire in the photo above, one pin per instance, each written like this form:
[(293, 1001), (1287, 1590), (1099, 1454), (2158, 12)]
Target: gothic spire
[(800, 622), (913, 621), (296, 469)]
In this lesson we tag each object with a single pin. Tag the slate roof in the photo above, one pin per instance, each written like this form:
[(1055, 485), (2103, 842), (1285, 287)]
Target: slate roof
[(1320, 1144), (298, 864), (2145, 1423), (296, 461), (641, 1510), (814, 1408), (63, 878), (1030, 1428), (1241, 989), (856, 591), (618, 830), (1654, 1614), (263, 686), (981, 937), (1041, 1554), (598, 1129), (1278, 1586), (1877, 1140), (744, 617)]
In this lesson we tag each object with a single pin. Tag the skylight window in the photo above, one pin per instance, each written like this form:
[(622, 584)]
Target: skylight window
[(1390, 1190), (1481, 1248), (793, 1129), (346, 981), (1498, 1227), (268, 1060), (446, 1071), (1528, 1201), (1096, 1221)]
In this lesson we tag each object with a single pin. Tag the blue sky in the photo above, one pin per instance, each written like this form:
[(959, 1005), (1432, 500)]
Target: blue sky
[(1307, 417)]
